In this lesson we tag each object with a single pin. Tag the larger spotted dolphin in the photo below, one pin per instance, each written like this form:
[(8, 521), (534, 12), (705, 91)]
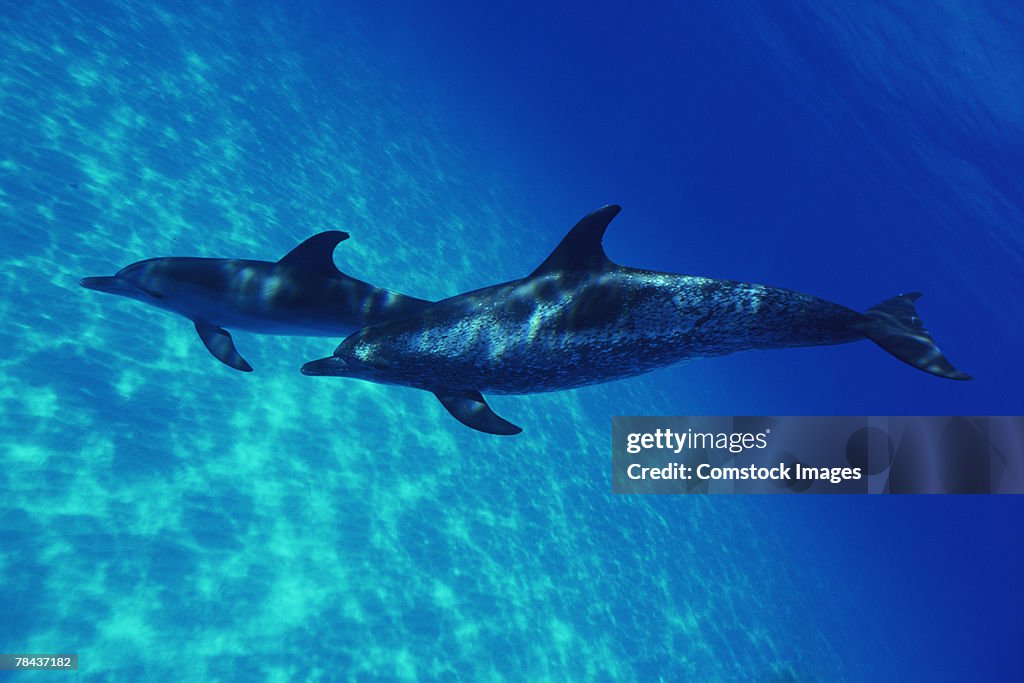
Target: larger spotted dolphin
[(580, 319), (302, 294)]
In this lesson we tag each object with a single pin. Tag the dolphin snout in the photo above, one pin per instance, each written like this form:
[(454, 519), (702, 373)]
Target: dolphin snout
[(112, 285), (325, 367)]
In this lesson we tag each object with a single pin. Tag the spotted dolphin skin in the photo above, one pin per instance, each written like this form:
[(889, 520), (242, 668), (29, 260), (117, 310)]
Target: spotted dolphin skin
[(580, 319), (302, 294)]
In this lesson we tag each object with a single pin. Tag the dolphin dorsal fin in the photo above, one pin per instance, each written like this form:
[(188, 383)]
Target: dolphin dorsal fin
[(581, 249), (316, 255)]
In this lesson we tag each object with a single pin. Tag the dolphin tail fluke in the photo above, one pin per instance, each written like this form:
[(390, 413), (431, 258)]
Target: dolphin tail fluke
[(470, 408), (895, 326), (218, 342)]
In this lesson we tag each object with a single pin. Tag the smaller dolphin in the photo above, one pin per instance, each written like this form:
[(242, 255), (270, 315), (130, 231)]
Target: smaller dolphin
[(581, 319), (303, 294)]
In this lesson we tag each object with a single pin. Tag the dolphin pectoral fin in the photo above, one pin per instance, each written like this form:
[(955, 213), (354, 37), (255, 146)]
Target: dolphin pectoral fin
[(316, 255), (470, 408), (218, 342), (895, 326)]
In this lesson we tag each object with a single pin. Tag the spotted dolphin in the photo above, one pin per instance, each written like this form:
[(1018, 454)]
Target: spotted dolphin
[(303, 294), (580, 319)]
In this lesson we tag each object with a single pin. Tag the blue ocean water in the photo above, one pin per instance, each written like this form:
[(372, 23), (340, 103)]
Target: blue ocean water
[(168, 518)]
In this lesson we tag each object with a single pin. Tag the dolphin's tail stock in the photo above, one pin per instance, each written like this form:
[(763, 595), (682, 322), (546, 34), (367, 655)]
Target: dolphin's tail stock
[(895, 326)]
